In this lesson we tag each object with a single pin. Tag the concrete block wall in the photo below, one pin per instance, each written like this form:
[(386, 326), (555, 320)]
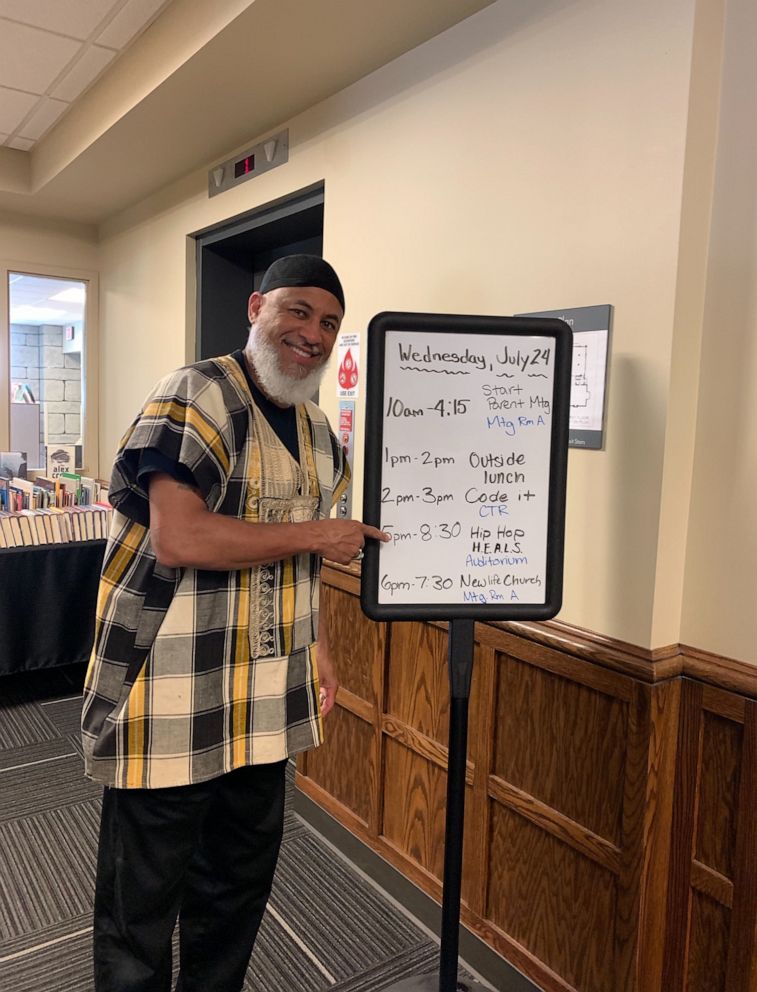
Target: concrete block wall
[(37, 358)]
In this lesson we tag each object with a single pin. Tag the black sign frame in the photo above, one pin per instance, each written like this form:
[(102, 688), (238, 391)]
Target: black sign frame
[(460, 324)]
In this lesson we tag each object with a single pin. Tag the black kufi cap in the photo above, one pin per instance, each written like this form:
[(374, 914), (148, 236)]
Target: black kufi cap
[(302, 270)]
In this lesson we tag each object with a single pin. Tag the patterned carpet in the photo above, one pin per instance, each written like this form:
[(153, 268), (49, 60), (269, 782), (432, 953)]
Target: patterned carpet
[(326, 926)]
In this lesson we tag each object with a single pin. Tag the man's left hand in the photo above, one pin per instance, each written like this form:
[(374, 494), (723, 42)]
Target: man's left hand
[(326, 677)]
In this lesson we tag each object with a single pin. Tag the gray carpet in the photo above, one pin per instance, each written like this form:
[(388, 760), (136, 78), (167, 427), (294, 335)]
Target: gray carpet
[(326, 926)]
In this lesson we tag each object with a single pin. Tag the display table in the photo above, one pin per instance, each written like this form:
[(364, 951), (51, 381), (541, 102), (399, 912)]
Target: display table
[(47, 604)]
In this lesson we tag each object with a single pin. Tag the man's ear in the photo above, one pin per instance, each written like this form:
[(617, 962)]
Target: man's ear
[(253, 305)]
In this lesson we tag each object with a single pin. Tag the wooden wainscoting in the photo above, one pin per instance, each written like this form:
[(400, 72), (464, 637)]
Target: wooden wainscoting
[(611, 827), (713, 892)]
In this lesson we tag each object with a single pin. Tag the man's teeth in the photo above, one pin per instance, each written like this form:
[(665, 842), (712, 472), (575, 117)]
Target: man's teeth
[(302, 351)]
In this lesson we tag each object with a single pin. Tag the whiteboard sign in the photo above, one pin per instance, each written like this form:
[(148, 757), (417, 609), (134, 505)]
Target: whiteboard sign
[(465, 456)]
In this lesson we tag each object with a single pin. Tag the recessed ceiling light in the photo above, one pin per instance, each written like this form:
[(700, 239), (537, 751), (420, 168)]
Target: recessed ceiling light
[(26, 313), (76, 294)]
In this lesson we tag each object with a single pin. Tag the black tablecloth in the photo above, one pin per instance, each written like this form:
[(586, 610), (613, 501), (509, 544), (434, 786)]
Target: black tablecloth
[(47, 604)]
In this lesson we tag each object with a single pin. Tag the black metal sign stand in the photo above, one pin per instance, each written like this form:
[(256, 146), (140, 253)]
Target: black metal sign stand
[(460, 656), (402, 347)]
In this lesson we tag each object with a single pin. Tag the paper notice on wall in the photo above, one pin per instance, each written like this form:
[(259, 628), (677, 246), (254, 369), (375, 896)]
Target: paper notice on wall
[(587, 392), (348, 374), (346, 435)]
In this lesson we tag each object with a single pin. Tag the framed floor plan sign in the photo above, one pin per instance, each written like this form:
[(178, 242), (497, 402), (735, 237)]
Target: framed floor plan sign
[(588, 380)]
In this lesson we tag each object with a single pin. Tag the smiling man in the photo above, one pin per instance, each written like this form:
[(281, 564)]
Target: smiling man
[(209, 668)]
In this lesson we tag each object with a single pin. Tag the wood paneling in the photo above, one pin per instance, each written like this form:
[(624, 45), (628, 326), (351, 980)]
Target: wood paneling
[(356, 645), (425, 746), (708, 946), (548, 732), (718, 793), (741, 971), (343, 766), (589, 844), (711, 883), (682, 829), (713, 895), (414, 807), (553, 901), (415, 811), (647, 817), (611, 833), (417, 691)]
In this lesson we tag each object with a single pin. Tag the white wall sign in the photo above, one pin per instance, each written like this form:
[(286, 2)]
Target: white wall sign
[(348, 368)]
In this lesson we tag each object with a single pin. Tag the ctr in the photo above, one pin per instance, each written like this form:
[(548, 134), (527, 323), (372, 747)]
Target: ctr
[(493, 511)]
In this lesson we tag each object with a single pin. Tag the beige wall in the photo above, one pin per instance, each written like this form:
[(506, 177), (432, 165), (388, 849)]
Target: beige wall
[(42, 243), (523, 160), (721, 567), (688, 320)]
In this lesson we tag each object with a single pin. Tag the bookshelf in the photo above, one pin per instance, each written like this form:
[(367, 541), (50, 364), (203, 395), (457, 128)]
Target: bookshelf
[(44, 510), (55, 525)]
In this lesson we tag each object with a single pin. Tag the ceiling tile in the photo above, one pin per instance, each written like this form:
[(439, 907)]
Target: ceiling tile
[(14, 106), (44, 116), (22, 144), (75, 18), (28, 293), (129, 21), (30, 59), (83, 72)]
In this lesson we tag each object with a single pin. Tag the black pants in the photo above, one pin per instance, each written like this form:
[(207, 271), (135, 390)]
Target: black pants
[(205, 853)]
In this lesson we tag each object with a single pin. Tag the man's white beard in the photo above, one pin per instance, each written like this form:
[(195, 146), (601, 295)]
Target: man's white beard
[(277, 385)]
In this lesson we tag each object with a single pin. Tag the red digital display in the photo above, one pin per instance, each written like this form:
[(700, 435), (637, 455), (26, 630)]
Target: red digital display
[(243, 166)]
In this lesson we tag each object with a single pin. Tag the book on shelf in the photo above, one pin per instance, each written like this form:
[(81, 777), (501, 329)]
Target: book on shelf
[(28, 534), (71, 484), (56, 527), (25, 490), (45, 520), (16, 528), (62, 525), (60, 458), (11, 530), (39, 523), (31, 527), (36, 525)]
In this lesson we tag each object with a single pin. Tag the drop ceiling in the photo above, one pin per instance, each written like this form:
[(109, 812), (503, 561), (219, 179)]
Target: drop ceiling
[(35, 300), (52, 51), (106, 101)]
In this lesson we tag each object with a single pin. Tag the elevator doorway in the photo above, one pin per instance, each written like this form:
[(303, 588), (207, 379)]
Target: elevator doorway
[(232, 258)]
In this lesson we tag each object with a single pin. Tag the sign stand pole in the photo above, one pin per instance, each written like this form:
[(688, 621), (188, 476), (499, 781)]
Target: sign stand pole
[(439, 402), (460, 661)]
